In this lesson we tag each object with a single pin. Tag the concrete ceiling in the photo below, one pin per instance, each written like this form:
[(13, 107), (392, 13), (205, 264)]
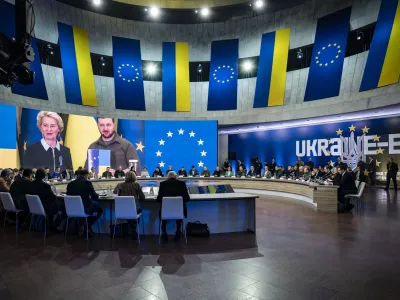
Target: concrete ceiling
[(183, 3)]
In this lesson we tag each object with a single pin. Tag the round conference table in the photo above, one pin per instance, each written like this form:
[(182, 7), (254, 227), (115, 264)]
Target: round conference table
[(223, 212)]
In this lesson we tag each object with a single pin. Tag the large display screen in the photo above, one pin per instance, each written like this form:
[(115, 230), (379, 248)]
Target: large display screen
[(50, 139)]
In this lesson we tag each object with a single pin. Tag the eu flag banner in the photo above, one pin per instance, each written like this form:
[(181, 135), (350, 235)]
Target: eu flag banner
[(77, 65), (222, 90), (128, 74), (181, 143), (328, 56), (7, 26), (175, 77), (99, 159), (383, 62), (271, 76)]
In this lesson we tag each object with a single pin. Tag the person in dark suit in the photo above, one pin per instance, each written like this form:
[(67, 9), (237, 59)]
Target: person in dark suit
[(310, 163), (173, 187), (272, 166), (240, 164), (182, 172), (252, 172), (193, 172), (258, 167), (347, 186), (392, 169), (49, 200), (20, 188), (372, 170), (361, 167), (84, 188)]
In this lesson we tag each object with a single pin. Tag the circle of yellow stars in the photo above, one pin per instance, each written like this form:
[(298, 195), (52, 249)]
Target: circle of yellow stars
[(120, 69), (219, 69), (321, 63)]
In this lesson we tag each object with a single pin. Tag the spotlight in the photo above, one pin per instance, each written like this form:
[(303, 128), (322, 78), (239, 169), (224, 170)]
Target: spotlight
[(49, 49), (205, 12), (258, 4), (247, 66), (154, 11), (200, 68), (300, 54), (96, 2), (151, 69), (196, 11), (360, 35), (145, 9)]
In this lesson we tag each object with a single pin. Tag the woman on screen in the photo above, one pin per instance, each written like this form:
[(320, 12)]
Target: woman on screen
[(48, 152)]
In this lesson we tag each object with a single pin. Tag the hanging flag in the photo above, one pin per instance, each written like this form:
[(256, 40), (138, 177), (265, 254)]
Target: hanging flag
[(29, 134), (222, 90), (175, 77), (8, 141), (7, 27), (383, 62), (98, 159), (328, 54), (77, 65), (271, 76), (128, 74)]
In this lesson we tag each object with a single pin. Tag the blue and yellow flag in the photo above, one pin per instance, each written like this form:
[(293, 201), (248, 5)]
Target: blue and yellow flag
[(271, 76), (77, 65), (8, 141), (128, 74), (7, 27), (327, 59), (175, 77), (222, 91), (383, 62)]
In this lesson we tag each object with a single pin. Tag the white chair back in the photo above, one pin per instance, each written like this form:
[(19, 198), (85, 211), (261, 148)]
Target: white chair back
[(172, 208), (8, 202), (357, 183), (361, 189), (125, 208), (35, 205), (74, 207)]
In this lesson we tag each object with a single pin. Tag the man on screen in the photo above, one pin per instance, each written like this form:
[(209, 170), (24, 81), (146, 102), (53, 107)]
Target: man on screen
[(121, 150)]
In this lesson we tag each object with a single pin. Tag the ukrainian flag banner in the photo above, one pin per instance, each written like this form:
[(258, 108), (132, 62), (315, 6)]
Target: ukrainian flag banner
[(8, 141), (328, 54), (222, 90), (383, 62), (7, 27), (77, 65), (271, 76), (128, 74), (175, 77), (29, 133)]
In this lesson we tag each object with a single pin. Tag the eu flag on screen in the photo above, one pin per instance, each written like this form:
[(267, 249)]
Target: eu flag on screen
[(222, 91), (181, 143), (7, 26), (99, 159), (128, 74), (328, 56)]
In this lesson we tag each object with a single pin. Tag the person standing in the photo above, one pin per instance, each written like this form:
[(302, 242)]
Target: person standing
[(372, 170), (272, 167), (258, 167), (299, 162), (310, 163), (392, 169)]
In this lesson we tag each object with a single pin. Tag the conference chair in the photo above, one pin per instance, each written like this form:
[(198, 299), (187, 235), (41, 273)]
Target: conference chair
[(357, 183), (36, 209), (9, 206), (74, 209), (172, 209), (356, 197), (146, 190), (125, 209)]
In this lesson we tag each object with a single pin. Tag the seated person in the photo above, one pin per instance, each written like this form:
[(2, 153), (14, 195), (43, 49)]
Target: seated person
[(119, 173), (226, 165), (48, 175), (77, 171), (321, 172), (278, 172), (193, 172), (93, 173), (132, 169), (169, 169), (57, 173), (336, 177), (229, 172), (84, 188), (217, 172), (327, 173), (20, 188), (290, 174), (252, 172), (131, 188), (306, 174), (157, 173), (241, 164), (301, 172), (182, 172), (144, 172), (205, 172), (5, 180), (266, 173), (67, 174), (241, 172), (296, 172), (346, 186), (106, 173), (47, 197)]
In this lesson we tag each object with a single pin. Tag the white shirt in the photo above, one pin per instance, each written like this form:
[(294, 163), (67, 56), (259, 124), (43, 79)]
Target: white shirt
[(46, 146)]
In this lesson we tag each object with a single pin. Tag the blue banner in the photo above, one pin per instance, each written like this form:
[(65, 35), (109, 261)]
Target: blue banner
[(327, 59), (168, 77), (29, 133), (222, 90), (7, 26), (128, 74)]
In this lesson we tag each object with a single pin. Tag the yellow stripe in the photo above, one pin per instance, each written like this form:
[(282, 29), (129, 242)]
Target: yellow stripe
[(8, 158), (391, 66), (85, 71), (182, 77), (279, 64)]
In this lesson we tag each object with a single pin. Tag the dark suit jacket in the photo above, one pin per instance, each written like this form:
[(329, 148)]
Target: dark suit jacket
[(84, 188), (174, 188), (372, 166), (43, 190), (18, 190), (393, 169), (347, 184)]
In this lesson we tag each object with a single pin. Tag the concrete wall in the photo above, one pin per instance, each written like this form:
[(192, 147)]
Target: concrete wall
[(301, 20)]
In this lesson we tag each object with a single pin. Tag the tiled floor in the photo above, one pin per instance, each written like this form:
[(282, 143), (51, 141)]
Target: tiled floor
[(296, 254)]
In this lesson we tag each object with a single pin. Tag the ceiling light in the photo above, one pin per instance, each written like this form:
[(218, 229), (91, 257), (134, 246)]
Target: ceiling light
[(360, 35), (154, 11), (299, 54), (205, 12), (196, 11), (96, 2), (247, 66), (151, 69), (259, 4)]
